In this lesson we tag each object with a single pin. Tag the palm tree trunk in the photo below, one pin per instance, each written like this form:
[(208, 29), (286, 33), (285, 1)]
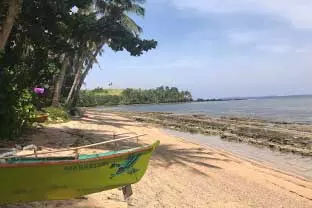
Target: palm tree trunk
[(74, 86), (79, 85), (6, 27), (59, 83), (79, 79)]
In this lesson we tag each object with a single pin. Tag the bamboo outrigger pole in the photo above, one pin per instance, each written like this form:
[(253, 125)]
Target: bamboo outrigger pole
[(74, 148)]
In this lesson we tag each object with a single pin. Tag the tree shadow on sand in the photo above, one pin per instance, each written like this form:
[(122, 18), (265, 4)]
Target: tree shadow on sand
[(167, 155), (102, 120), (59, 138)]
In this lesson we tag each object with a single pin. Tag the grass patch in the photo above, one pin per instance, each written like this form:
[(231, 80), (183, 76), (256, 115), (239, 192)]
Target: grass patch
[(56, 114), (100, 91)]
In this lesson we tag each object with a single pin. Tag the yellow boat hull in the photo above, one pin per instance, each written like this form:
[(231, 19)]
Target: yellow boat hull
[(56, 180)]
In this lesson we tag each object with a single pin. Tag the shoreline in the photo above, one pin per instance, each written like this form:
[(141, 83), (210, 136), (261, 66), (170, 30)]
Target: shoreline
[(201, 176), (278, 136), (255, 161)]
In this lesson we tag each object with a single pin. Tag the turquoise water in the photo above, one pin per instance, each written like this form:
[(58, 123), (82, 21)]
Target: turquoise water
[(290, 109)]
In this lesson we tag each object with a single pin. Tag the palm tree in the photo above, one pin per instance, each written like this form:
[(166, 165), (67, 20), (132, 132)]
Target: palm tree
[(102, 9)]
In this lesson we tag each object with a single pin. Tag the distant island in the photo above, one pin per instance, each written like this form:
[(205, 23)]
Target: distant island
[(163, 94), (248, 98), (218, 99), (129, 96)]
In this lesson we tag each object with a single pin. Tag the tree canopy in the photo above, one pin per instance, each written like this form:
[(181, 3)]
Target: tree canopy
[(53, 44)]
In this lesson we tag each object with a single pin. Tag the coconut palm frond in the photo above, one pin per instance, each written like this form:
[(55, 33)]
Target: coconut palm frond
[(136, 9), (131, 25), (139, 1)]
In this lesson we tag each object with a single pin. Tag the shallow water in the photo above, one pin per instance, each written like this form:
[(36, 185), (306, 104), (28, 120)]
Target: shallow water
[(289, 109), (288, 162)]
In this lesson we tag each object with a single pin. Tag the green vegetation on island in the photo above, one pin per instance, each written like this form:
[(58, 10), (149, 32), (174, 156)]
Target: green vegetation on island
[(109, 97)]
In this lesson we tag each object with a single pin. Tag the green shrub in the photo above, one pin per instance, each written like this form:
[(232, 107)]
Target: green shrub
[(16, 108)]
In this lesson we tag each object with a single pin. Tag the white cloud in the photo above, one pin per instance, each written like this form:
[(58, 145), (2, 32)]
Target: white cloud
[(297, 12), (275, 48), (239, 37), (269, 41)]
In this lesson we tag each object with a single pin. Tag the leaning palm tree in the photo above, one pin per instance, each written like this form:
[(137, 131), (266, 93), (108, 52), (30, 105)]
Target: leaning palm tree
[(128, 7), (112, 22)]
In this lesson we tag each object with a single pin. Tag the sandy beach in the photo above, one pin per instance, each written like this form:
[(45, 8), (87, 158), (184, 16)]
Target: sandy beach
[(180, 174)]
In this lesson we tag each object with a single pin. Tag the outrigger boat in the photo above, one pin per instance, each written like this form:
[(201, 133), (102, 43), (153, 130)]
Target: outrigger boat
[(31, 178)]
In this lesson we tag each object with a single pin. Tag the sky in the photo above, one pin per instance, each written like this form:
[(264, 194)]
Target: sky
[(218, 48)]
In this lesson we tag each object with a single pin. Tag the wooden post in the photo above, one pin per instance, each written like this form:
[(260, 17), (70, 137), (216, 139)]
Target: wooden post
[(76, 154), (115, 143), (127, 191), (35, 153)]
